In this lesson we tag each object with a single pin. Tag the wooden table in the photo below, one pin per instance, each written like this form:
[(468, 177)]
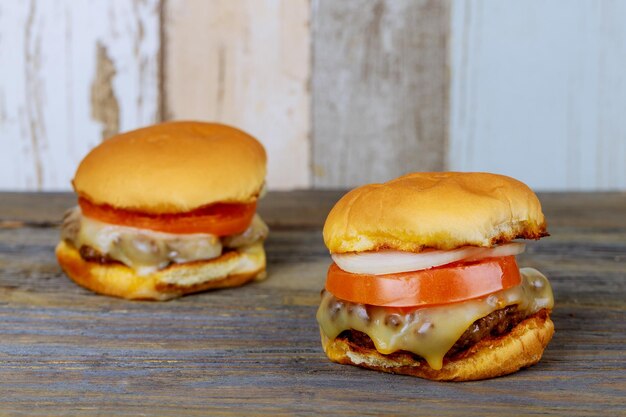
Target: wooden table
[(255, 350)]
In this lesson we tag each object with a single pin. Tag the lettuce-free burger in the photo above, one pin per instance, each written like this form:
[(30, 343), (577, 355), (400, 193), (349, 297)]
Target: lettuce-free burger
[(167, 210), (425, 281)]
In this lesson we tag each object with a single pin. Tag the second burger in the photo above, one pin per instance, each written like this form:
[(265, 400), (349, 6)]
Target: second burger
[(167, 210)]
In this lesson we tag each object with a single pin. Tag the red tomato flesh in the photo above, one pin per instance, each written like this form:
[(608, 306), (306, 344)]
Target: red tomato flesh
[(441, 285), (221, 219)]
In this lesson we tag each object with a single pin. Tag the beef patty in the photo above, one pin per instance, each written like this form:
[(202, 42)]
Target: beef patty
[(92, 255)]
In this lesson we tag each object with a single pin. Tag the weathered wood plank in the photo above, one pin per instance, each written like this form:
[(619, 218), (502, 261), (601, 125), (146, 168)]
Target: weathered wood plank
[(379, 89), (537, 92), (601, 211), (71, 74), (245, 63), (255, 350)]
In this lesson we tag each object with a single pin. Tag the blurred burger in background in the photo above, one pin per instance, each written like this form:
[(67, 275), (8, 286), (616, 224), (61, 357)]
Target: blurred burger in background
[(425, 281), (167, 210)]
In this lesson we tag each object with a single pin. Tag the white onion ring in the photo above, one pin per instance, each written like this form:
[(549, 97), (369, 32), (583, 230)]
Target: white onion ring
[(391, 262)]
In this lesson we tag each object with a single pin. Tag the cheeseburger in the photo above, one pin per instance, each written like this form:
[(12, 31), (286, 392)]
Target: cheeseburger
[(425, 282), (167, 210)]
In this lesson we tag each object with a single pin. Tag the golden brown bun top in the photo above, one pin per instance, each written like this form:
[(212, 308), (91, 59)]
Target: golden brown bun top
[(173, 167), (442, 210)]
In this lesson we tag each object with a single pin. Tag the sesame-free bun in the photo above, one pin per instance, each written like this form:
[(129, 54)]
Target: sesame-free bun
[(173, 167), (229, 270), (441, 210), (489, 358)]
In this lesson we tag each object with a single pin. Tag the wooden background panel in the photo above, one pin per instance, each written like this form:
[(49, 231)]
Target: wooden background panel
[(538, 91), (245, 63), (341, 93), (71, 73), (379, 89)]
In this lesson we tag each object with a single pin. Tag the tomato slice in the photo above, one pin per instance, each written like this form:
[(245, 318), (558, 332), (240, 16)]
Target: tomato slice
[(219, 219), (441, 285)]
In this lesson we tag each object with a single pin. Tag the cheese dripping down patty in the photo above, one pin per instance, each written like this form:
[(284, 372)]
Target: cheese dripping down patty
[(147, 251), (429, 332)]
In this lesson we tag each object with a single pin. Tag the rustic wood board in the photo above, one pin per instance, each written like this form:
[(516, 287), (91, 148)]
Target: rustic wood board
[(255, 350), (379, 82), (245, 63), (72, 74), (537, 92)]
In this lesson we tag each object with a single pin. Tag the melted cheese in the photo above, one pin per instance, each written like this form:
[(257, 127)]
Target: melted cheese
[(431, 331), (145, 250)]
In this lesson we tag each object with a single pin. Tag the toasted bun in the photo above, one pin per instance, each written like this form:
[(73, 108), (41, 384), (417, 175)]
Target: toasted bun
[(173, 167), (229, 270), (441, 210), (490, 358)]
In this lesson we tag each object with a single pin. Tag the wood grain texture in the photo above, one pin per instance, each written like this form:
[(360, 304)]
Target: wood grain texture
[(71, 74), (255, 350), (379, 89), (245, 63), (538, 92)]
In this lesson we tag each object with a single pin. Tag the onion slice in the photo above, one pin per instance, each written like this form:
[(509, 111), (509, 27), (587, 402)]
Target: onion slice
[(392, 262)]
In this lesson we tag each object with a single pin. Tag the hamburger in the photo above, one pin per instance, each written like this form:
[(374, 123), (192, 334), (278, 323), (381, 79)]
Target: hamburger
[(425, 280), (165, 211)]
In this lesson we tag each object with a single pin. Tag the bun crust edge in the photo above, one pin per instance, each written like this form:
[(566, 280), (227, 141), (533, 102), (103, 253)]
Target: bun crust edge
[(438, 210), (118, 280), (173, 167), (490, 358)]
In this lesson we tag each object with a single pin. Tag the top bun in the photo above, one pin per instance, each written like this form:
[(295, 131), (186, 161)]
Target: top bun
[(440, 210), (173, 167)]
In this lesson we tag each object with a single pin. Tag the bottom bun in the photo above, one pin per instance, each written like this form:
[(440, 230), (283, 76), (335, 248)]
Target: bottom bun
[(229, 270), (489, 358)]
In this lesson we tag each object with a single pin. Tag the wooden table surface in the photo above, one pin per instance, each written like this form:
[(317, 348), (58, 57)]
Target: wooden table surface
[(255, 350)]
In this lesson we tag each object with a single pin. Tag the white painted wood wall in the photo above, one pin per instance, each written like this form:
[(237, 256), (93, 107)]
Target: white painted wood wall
[(245, 63), (537, 90), (71, 72)]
